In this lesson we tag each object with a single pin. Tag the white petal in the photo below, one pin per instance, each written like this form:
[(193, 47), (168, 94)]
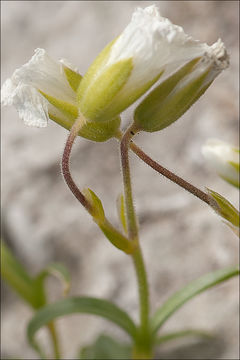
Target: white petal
[(155, 44), (31, 106), (43, 73), (7, 91)]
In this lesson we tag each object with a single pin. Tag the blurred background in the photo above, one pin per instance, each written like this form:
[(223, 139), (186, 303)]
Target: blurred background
[(181, 237)]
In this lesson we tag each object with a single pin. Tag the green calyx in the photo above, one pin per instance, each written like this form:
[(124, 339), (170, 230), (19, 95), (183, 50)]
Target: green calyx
[(93, 131), (90, 75), (73, 77), (171, 99), (67, 109), (96, 100), (231, 181), (128, 96), (66, 113), (224, 208)]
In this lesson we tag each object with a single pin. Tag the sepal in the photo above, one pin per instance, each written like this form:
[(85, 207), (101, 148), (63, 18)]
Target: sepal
[(225, 209)]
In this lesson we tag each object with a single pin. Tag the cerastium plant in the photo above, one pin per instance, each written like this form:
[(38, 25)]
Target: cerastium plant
[(150, 51)]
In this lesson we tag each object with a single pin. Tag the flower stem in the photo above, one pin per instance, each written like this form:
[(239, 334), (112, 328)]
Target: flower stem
[(130, 212), (66, 164), (143, 342), (167, 173), (170, 175)]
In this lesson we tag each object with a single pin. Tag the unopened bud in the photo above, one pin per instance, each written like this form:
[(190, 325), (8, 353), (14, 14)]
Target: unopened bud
[(175, 95), (225, 209)]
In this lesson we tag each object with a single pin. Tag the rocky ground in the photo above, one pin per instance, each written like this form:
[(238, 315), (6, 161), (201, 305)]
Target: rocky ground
[(181, 238)]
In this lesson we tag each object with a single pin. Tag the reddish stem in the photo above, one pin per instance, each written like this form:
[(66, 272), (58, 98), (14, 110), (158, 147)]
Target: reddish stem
[(66, 166), (170, 175)]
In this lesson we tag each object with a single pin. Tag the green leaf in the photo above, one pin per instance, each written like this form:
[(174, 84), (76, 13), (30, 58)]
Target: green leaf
[(116, 238), (179, 334), (97, 210), (17, 277), (188, 292), (105, 347), (75, 305), (57, 270)]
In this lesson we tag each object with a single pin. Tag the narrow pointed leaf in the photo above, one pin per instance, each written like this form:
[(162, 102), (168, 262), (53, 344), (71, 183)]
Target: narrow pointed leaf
[(188, 292), (74, 305), (17, 277), (179, 334), (116, 238)]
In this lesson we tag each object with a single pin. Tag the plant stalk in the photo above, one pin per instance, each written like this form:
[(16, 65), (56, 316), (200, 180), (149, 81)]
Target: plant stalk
[(143, 342), (66, 164), (169, 174), (53, 333)]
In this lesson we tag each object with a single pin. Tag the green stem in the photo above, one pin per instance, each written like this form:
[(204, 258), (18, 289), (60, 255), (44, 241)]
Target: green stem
[(143, 343), (52, 330), (132, 226)]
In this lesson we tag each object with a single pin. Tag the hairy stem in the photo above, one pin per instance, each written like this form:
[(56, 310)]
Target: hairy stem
[(112, 234), (66, 164), (132, 227), (167, 173)]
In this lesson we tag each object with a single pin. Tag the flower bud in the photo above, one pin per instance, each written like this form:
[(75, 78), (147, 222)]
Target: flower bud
[(225, 209), (44, 89), (175, 95), (148, 47), (224, 159)]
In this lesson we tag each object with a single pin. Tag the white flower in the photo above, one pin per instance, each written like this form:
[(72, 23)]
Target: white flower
[(148, 47), (155, 46), (43, 74), (223, 158)]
